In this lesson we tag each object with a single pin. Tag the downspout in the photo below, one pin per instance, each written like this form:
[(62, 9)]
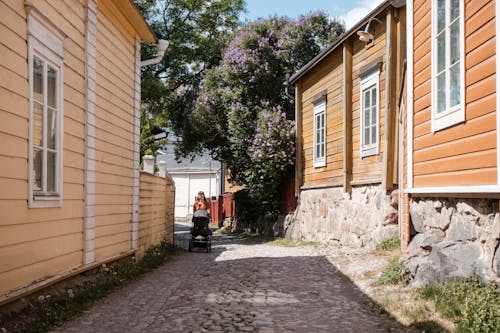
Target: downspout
[(162, 47)]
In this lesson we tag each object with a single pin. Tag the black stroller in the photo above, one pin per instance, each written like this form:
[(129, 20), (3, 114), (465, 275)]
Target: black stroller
[(201, 235)]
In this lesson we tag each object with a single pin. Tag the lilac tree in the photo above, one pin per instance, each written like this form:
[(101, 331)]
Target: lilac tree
[(244, 114)]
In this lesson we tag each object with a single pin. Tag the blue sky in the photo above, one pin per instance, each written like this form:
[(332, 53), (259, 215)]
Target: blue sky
[(351, 11)]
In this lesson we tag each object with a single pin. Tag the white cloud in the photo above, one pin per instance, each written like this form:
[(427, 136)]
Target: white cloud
[(361, 9)]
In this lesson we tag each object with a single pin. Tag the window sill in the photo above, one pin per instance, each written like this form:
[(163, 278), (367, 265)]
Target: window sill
[(44, 201), (367, 152), (447, 119), (319, 164)]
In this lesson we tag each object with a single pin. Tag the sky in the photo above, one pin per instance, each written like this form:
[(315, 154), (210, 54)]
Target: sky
[(350, 11)]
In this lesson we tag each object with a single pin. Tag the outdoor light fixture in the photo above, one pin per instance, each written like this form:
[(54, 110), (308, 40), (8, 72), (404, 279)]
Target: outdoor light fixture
[(365, 35)]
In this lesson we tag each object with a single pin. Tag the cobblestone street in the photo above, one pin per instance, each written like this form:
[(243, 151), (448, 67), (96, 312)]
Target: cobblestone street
[(240, 286)]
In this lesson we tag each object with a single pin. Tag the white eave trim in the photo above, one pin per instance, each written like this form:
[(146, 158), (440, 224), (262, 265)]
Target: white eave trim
[(454, 189)]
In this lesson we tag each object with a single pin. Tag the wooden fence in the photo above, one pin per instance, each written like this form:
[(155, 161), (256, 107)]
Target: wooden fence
[(156, 211)]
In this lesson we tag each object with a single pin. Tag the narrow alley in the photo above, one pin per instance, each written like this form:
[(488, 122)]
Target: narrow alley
[(241, 286)]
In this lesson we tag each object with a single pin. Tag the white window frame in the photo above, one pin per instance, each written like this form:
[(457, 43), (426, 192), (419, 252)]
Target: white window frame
[(45, 41), (319, 109), (456, 114), (369, 81)]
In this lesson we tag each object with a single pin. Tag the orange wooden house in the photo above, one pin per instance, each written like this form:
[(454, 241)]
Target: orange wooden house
[(69, 138), (347, 151), (451, 144)]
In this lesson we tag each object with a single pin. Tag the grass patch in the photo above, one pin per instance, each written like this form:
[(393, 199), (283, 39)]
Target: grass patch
[(393, 273), (55, 311), (473, 308), (287, 242), (390, 244)]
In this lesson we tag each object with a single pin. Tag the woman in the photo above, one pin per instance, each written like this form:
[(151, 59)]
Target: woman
[(201, 206)]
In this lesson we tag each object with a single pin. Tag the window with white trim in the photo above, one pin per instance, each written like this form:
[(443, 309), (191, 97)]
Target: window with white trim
[(369, 110), (447, 63), (46, 112), (319, 146)]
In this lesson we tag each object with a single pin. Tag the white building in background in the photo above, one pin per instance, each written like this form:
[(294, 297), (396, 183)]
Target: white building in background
[(201, 174)]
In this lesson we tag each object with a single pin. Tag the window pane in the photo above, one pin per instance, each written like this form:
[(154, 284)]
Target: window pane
[(38, 79), (37, 124), (366, 120), (374, 97), (366, 98), (37, 169), (374, 116), (454, 42), (322, 120), (441, 16), (366, 138), (441, 93), (455, 85), (51, 87), (51, 128), (441, 52), (51, 171), (454, 9), (374, 134)]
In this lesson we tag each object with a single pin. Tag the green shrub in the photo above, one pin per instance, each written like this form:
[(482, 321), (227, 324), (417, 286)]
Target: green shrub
[(393, 273), (247, 210), (474, 308), (389, 244)]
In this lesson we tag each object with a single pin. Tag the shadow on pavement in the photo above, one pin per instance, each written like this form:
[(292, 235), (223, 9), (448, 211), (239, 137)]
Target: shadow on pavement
[(282, 294)]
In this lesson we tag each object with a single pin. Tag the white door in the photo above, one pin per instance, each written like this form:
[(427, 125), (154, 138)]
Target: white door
[(187, 187)]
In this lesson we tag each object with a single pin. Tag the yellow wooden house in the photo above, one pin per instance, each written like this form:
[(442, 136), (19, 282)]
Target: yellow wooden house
[(69, 137), (346, 111)]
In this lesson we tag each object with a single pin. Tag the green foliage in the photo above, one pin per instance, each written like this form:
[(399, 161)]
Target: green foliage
[(393, 273), (473, 307), (54, 312), (389, 244), (198, 32), (149, 145), (247, 210), (244, 115)]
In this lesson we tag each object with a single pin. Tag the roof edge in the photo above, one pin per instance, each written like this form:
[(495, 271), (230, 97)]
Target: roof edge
[(130, 10), (383, 6)]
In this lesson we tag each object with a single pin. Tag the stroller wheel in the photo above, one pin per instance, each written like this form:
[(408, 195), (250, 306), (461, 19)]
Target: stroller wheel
[(190, 248)]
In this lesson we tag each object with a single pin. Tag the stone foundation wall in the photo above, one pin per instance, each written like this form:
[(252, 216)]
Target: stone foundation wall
[(455, 238), (363, 218)]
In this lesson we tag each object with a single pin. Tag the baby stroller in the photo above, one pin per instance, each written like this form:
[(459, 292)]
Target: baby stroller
[(201, 235)]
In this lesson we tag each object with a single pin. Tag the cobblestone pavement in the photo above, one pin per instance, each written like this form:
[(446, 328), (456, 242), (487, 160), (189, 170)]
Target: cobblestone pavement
[(239, 287)]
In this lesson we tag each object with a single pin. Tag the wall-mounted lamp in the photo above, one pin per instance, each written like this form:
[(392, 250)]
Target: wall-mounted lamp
[(365, 35), (162, 47)]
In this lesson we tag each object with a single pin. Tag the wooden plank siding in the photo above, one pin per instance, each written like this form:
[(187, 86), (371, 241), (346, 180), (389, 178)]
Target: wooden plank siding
[(368, 169), (466, 153), (36, 243), (114, 160), (328, 74)]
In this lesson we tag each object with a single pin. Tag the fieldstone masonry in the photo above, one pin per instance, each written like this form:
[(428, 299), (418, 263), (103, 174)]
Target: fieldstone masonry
[(455, 238), (363, 218)]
